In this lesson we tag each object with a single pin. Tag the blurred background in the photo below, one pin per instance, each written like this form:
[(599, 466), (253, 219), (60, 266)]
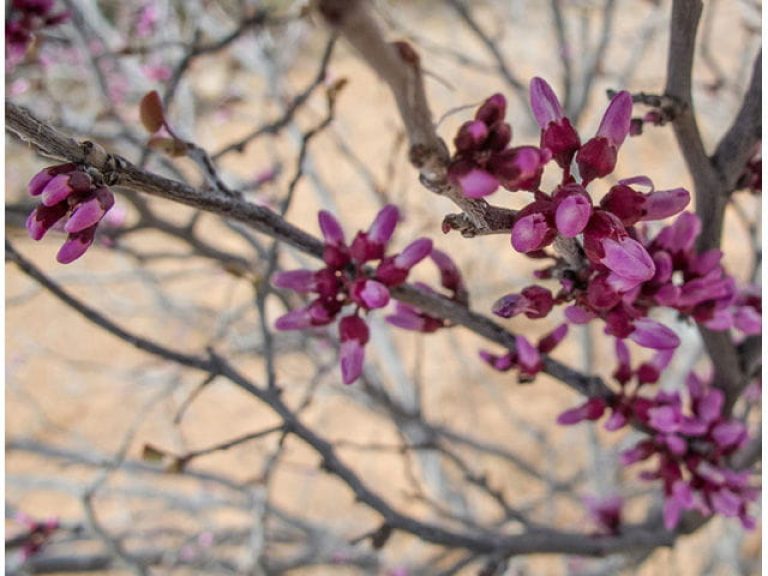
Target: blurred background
[(143, 465)]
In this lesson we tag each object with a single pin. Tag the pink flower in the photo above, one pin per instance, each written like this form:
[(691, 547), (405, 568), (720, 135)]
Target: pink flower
[(532, 232), (533, 301), (597, 157), (572, 214), (346, 280), (69, 194), (557, 134), (650, 334), (628, 259)]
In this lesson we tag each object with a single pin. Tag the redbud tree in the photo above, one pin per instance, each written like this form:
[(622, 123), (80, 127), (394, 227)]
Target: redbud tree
[(331, 368)]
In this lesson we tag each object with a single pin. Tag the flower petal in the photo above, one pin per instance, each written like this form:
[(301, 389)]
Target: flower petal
[(615, 123), (572, 215), (544, 103), (351, 358), (651, 334), (478, 183), (628, 258)]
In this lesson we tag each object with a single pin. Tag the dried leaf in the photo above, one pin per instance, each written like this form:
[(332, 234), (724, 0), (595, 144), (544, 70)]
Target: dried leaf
[(151, 112)]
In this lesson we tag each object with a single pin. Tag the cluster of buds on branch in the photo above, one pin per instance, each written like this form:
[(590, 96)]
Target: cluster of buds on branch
[(607, 265), (68, 194), (610, 267), (690, 435), (348, 280)]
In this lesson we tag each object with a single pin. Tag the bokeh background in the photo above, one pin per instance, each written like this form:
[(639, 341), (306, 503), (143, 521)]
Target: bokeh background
[(93, 426)]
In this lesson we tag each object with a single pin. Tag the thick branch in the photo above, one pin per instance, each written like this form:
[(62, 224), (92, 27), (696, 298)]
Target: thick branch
[(634, 538), (52, 143), (710, 195), (398, 64), (710, 189), (738, 145)]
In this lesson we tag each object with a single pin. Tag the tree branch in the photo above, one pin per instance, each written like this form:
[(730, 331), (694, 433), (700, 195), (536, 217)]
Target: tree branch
[(710, 189), (398, 64), (738, 144), (121, 173)]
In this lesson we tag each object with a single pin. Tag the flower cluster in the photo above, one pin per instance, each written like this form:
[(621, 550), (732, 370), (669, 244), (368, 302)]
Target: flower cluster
[(68, 193), (483, 160), (347, 279), (22, 21), (606, 265), (526, 357), (691, 437)]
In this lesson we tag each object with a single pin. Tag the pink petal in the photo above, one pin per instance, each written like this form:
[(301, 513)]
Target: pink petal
[(296, 280), (384, 225), (298, 319), (551, 340), (478, 183), (370, 294), (615, 421), (450, 276), (639, 181), (578, 315), (351, 358), (38, 182), (56, 190), (620, 285), (628, 258), (615, 123), (43, 218), (330, 228), (407, 318), (592, 409), (665, 203), (527, 355), (414, 253), (84, 215), (664, 418), (680, 236), (544, 103), (76, 245), (530, 233), (471, 135), (748, 320), (572, 215), (651, 334)]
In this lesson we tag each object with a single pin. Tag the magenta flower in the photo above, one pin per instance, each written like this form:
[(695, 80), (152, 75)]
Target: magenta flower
[(690, 437), (38, 533), (597, 157), (533, 231), (533, 301), (557, 134), (354, 335), (347, 281), (572, 214), (526, 357), (68, 194)]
